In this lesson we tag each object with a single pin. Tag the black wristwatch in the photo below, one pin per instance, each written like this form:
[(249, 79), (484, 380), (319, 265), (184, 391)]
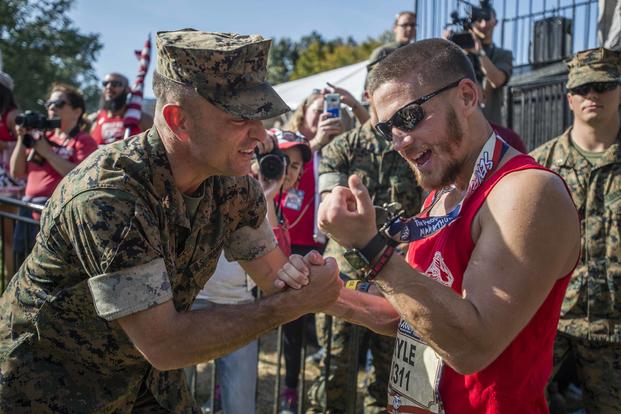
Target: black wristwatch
[(361, 259)]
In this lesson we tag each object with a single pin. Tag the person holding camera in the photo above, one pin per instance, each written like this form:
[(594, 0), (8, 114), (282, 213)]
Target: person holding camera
[(280, 161), (299, 205), (493, 64), (47, 151)]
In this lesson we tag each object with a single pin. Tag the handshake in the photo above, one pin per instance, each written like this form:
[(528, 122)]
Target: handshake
[(312, 281)]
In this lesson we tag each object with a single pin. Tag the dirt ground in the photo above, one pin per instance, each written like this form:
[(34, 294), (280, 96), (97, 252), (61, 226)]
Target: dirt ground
[(266, 394)]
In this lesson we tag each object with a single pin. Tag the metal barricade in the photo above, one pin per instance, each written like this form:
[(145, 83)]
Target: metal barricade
[(18, 230), (538, 110)]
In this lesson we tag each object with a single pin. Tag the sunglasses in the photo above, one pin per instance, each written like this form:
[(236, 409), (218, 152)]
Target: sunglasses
[(407, 25), (597, 87), (58, 103), (408, 116), (113, 83)]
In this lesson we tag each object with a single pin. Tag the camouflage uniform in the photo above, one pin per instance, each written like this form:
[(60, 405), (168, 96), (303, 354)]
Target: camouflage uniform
[(116, 239), (590, 324), (389, 179)]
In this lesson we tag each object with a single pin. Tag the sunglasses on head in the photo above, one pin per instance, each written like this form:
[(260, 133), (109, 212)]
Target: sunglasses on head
[(408, 116), (58, 103), (113, 83), (598, 87)]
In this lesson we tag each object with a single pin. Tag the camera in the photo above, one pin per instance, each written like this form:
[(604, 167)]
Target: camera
[(35, 120), (464, 38), (273, 164)]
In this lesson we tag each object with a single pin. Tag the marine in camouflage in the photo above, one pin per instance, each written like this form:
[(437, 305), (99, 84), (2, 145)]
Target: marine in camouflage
[(590, 321), (592, 305), (389, 179), (116, 239), (227, 69)]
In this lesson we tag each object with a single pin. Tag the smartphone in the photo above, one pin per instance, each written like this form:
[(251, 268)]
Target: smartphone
[(332, 105)]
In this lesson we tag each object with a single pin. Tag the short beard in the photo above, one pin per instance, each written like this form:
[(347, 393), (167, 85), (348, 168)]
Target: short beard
[(455, 136), (116, 103)]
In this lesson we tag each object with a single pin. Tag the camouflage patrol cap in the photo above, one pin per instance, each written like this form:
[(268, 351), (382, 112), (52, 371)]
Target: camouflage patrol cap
[(227, 69), (594, 65)]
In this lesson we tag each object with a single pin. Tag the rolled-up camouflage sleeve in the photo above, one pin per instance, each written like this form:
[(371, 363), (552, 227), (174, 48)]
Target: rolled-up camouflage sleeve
[(117, 241), (253, 236), (334, 165)]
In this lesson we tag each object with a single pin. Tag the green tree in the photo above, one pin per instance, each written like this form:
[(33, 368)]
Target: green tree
[(41, 45)]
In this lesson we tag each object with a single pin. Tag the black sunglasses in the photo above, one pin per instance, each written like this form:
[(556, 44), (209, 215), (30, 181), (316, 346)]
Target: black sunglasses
[(598, 87), (113, 83), (408, 116), (58, 103)]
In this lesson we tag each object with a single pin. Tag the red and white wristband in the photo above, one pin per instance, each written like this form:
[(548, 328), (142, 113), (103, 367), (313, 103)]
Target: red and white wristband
[(379, 264)]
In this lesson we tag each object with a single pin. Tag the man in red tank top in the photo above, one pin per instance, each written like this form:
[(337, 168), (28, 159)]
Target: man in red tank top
[(108, 123), (476, 302)]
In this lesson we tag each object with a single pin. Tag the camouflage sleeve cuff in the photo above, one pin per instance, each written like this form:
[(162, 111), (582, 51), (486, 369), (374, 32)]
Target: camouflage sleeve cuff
[(248, 243), (327, 181), (130, 290)]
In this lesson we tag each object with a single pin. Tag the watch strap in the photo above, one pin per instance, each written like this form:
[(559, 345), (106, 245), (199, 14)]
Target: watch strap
[(374, 247)]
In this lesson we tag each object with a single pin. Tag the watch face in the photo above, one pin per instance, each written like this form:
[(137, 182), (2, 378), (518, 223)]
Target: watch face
[(356, 259)]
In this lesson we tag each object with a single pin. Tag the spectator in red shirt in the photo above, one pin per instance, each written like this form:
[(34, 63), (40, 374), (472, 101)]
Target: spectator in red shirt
[(45, 157), (108, 123)]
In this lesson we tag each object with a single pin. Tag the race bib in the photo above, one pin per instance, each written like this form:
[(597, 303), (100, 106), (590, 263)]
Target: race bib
[(414, 375), (294, 199)]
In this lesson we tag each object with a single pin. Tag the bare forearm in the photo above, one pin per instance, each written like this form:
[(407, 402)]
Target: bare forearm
[(374, 312), (443, 319), (18, 161), (61, 165), (361, 113), (496, 76), (202, 335)]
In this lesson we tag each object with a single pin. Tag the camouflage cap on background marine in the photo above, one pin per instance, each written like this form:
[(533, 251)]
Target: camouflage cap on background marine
[(594, 65), (227, 69)]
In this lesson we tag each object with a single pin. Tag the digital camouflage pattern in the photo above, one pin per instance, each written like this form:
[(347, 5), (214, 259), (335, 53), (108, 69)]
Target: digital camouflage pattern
[(389, 179), (594, 65), (592, 305), (227, 69), (115, 239), (598, 364)]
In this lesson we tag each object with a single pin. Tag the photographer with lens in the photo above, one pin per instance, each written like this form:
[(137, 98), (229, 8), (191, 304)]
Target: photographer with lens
[(48, 148), (493, 65)]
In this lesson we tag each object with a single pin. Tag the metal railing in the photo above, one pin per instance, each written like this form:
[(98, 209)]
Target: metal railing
[(538, 110), (516, 21), (18, 230)]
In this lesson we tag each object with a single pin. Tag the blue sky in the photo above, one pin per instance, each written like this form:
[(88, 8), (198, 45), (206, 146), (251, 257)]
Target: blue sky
[(124, 25)]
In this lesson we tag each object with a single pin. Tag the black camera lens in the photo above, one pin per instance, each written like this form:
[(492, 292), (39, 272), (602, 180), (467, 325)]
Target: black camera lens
[(272, 166), (35, 120)]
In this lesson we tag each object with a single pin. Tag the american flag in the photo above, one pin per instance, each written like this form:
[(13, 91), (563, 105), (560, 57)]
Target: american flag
[(134, 102)]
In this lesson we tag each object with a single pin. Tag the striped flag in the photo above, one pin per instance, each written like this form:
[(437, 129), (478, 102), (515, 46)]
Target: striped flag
[(134, 101)]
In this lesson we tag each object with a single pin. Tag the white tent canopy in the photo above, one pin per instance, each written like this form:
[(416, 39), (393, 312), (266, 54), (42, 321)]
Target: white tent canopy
[(349, 77)]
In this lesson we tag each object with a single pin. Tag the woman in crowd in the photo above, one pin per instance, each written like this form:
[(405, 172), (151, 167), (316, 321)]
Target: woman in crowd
[(8, 135), (45, 157), (299, 206)]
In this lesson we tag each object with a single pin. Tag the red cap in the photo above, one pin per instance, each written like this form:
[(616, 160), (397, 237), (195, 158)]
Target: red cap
[(289, 139)]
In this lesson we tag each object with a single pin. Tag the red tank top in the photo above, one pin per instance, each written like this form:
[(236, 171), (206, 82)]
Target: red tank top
[(515, 381), (109, 129)]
